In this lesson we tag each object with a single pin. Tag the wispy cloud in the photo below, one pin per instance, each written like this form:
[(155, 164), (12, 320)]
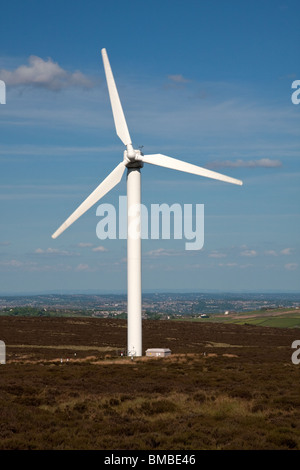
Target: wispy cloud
[(55, 251), (270, 253), (228, 265), (46, 74), (286, 251), (32, 266), (162, 252), (84, 245), (13, 263), (94, 248), (99, 248), (291, 266), (216, 254), (178, 78), (82, 267), (249, 253)]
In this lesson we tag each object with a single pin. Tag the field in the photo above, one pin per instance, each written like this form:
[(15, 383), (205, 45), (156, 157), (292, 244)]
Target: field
[(280, 317), (225, 386)]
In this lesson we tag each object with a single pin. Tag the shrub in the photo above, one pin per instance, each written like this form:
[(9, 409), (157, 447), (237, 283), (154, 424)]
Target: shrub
[(200, 397), (157, 407)]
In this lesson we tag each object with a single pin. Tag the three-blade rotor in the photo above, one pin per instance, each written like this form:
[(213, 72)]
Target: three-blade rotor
[(132, 156)]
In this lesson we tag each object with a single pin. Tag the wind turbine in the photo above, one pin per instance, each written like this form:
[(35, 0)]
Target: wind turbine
[(133, 160)]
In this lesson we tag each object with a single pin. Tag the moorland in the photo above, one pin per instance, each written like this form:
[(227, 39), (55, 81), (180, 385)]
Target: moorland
[(66, 385)]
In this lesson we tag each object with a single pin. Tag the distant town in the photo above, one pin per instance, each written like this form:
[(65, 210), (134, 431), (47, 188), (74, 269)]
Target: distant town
[(155, 306)]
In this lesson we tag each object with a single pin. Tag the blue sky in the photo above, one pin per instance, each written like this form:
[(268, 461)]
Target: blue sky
[(208, 82)]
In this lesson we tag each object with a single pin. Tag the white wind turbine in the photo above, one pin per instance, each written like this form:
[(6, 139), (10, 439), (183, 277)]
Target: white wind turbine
[(133, 160)]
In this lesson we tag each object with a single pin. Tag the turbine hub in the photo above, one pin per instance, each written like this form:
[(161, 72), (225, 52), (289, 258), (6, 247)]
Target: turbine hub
[(132, 158)]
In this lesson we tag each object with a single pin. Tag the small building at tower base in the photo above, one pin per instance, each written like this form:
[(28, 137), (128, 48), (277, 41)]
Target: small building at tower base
[(158, 352)]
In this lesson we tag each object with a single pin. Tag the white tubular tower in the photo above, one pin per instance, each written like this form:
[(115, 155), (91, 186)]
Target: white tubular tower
[(134, 268)]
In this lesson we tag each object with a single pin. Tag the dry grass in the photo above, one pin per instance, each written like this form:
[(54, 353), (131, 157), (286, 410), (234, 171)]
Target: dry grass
[(98, 400)]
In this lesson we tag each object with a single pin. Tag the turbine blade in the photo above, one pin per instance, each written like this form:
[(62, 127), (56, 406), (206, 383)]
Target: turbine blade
[(119, 118), (174, 164), (109, 183)]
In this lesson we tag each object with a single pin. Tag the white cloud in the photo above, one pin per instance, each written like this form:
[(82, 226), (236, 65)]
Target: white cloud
[(178, 78), (13, 263), (31, 266), (162, 252), (99, 248), (270, 253), (55, 251), (82, 267), (239, 163), (249, 253), (216, 254), (286, 251), (46, 74), (229, 265), (291, 266)]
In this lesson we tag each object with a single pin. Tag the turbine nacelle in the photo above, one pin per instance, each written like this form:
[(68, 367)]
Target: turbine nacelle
[(133, 158)]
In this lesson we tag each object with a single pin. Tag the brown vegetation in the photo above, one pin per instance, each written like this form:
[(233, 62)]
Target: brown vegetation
[(224, 386)]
